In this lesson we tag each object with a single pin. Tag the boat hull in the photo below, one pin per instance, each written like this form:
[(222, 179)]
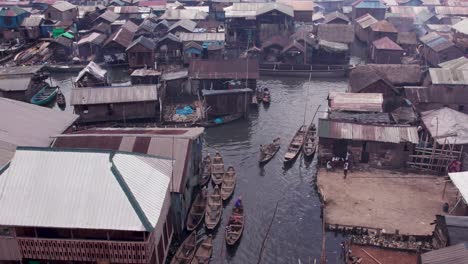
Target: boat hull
[(38, 101)]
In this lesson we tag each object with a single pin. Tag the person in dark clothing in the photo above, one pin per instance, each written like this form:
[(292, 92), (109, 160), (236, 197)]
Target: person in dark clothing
[(345, 169)]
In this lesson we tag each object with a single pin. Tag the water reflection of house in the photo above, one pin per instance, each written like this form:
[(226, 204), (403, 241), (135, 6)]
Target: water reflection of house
[(21, 83), (102, 104), (184, 146), (130, 208)]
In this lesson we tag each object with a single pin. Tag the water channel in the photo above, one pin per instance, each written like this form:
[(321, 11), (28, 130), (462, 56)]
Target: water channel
[(296, 233)]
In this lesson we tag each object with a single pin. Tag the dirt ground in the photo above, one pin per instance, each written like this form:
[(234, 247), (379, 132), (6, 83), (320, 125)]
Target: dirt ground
[(382, 199), (384, 256)]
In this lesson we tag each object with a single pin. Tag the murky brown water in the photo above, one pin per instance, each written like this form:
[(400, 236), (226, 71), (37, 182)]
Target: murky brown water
[(296, 233)]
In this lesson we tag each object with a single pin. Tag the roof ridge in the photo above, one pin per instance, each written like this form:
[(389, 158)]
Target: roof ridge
[(131, 198)]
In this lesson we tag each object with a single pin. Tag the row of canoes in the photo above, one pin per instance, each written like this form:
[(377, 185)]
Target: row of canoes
[(305, 139), (214, 169)]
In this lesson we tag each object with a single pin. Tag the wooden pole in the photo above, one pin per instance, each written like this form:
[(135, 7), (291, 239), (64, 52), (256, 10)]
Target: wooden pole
[(376, 260), (266, 236)]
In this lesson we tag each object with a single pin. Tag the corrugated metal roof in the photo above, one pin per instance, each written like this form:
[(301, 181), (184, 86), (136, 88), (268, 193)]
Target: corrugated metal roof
[(178, 14), (383, 26), (457, 254), (417, 94), (201, 37), (224, 69), (108, 95), (420, 14), (269, 7), (94, 37), (174, 75), (16, 127), (436, 42), (361, 118), (95, 70), (457, 228), (157, 142), (371, 4), (461, 26), (21, 70), (32, 21), (361, 132), (356, 102), (187, 24), (109, 16), (81, 189), (460, 64), (446, 124), (452, 11), (460, 180), (386, 44), (366, 20), (15, 84), (63, 6), (448, 76)]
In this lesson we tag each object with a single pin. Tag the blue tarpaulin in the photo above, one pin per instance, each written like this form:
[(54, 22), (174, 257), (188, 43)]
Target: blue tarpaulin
[(187, 110), (219, 120)]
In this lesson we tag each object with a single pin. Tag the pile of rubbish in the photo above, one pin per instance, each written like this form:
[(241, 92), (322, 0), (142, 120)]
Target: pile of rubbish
[(181, 114)]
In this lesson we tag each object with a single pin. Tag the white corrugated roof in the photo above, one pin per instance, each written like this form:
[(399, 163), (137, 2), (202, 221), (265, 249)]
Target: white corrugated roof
[(107, 95), (461, 26), (460, 64), (356, 102), (256, 9), (201, 37), (460, 179), (80, 189), (23, 124), (446, 124), (449, 76)]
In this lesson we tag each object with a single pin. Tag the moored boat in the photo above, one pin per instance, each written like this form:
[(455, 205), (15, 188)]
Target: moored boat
[(197, 211), (296, 145), (298, 70), (267, 152), (220, 120), (204, 251), (310, 141), (45, 95), (214, 209), (186, 251), (206, 170), (235, 225), (217, 169), (229, 183), (266, 98)]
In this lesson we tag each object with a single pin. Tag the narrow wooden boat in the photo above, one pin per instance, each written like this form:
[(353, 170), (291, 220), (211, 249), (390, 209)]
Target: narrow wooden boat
[(220, 120), (229, 183), (299, 70), (214, 209), (267, 152), (266, 96), (205, 174), (310, 141), (296, 145), (45, 95), (186, 251), (197, 211), (204, 251), (217, 169), (61, 102), (235, 226)]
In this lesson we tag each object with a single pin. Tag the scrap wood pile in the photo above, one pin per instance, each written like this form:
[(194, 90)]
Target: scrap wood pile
[(38, 53), (393, 242)]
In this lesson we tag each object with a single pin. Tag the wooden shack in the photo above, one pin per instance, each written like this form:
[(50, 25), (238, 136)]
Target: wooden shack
[(385, 51), (90, 46), (145, 76), (381, 29), (460, 35), (373, 7), (92, 76), (450, 230), (115, 46), (62, 11), (408, 41), (362, 27), (103, 104), (184, 25), (218, 103), (31, 27), (21, 83), (336, 18), (169, 49), (382, 145), (437, 49), (141, 53), (217, 74)]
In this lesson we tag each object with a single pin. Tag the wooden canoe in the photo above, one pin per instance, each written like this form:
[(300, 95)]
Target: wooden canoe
[(45, 95), (267, 152), (217, 169), (296, 145), (220, 121), (204, 251), (235, 225), (214, 209), (205, 174), (229, 183), (310, 141), (197, 211), (186, 251)]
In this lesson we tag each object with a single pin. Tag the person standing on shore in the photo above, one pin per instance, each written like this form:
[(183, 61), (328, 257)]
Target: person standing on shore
[(345, 169)]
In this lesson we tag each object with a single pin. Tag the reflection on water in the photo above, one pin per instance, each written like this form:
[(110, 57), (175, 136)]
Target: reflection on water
[(296, 233)]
